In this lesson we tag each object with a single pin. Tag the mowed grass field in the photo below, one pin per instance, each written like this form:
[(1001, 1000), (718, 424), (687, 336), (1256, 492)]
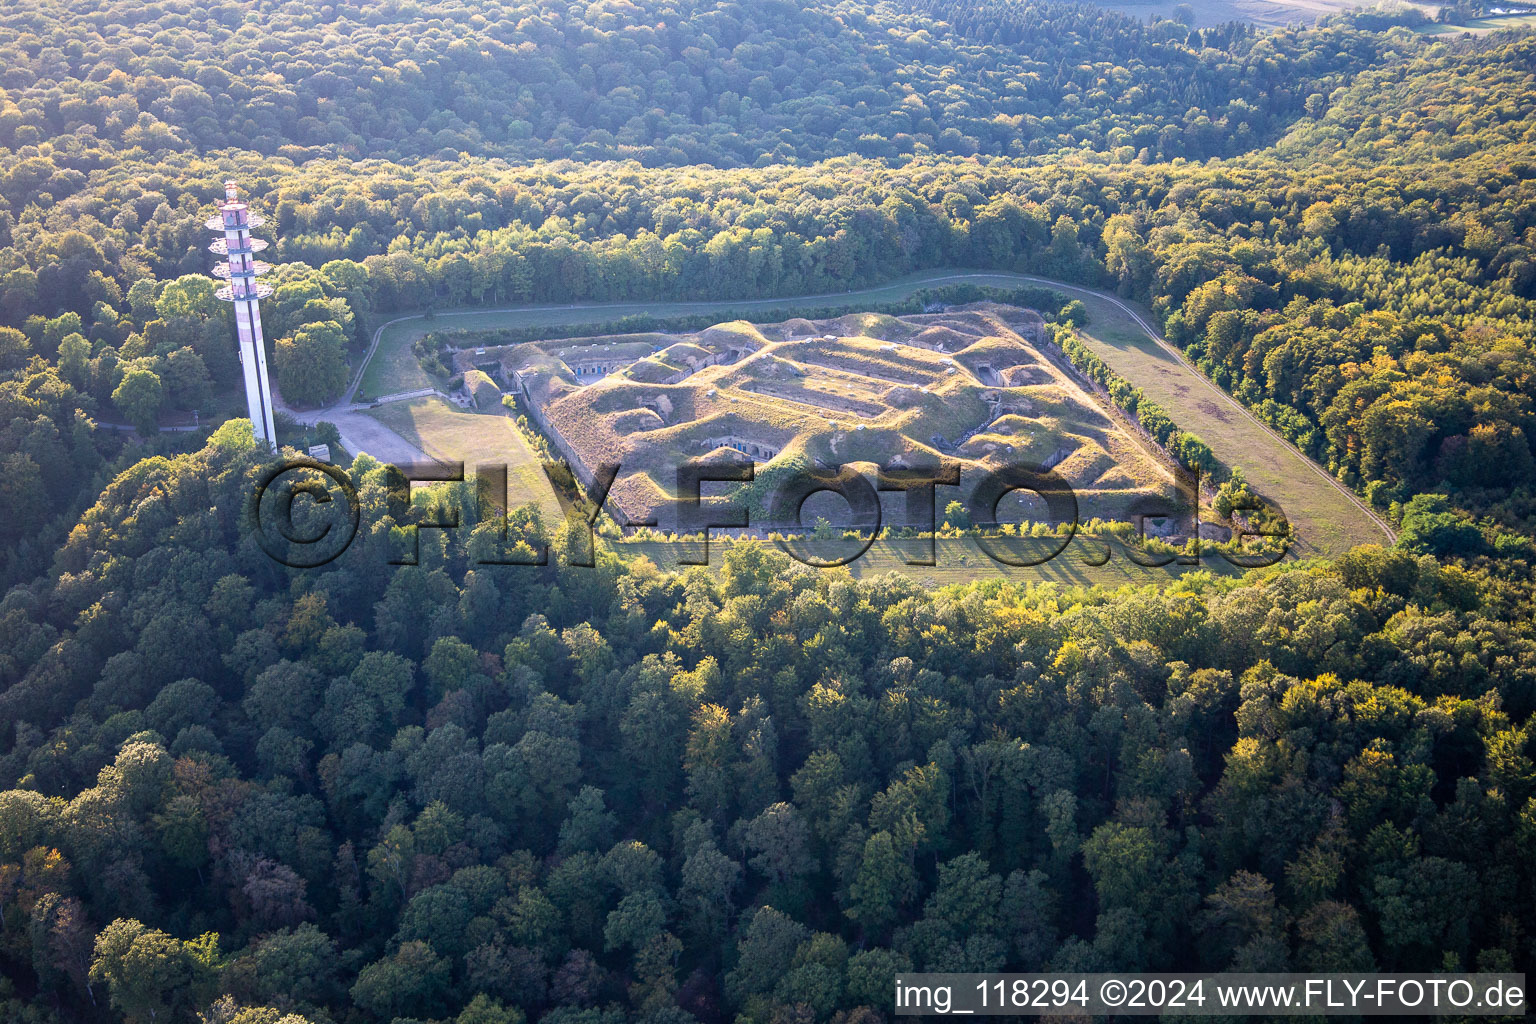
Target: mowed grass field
[(1479, 26), (1326, 521), (958, 559), (452, 435), (1269, 13)]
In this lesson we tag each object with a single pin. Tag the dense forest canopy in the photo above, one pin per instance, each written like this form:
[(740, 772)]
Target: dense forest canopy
[(658, 81), (386, 792), (457, 792)]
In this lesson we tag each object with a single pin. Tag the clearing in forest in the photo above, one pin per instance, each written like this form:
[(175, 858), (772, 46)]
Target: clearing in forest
[(452, 435), (974, 385), (1326, 520)]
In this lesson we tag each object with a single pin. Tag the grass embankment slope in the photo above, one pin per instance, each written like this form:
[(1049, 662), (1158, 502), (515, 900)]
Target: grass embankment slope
[(959, 560), (393, 367)]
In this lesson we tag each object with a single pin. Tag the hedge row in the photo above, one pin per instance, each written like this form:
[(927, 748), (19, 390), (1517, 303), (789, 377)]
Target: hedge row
[(1188, 448)]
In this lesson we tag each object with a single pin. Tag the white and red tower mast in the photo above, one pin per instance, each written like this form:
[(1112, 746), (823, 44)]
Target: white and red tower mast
[(241, 269)]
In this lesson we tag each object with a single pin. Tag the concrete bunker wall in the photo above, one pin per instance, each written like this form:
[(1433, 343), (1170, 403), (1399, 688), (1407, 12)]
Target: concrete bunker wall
[(755, 449)]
